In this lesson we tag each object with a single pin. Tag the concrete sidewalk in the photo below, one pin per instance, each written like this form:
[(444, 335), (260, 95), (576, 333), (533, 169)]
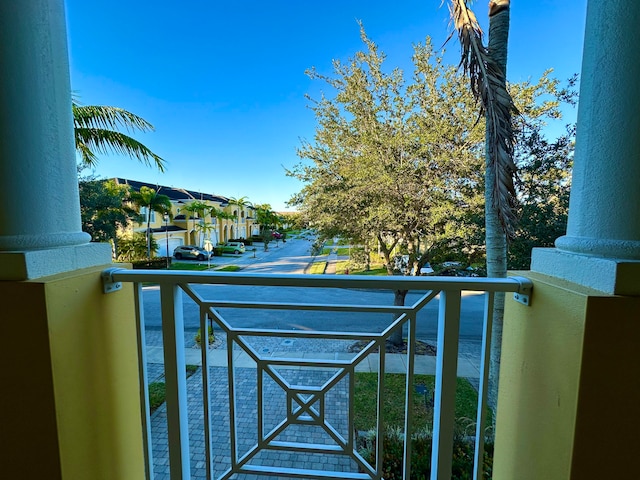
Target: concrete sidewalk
[(394, 363)]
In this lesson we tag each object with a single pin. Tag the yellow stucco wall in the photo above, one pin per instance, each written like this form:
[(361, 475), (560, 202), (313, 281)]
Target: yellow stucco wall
[(91, 364), (567, 384)]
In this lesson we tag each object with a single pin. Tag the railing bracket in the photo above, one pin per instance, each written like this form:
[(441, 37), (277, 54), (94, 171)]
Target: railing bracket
[(523, 295), (108, 285)]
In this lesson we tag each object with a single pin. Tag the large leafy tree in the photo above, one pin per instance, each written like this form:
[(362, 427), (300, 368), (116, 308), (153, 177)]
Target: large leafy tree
[(104, 209), (96, 129), (151, 201), (393, 161), (544, 157)]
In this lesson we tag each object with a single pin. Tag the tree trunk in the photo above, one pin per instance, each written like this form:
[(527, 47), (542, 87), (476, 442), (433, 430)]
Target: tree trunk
[(496, 241), (149, 231), (398, 300)]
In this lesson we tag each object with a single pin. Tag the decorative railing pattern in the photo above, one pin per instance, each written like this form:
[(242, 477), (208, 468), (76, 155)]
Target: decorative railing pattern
[(306, 401)]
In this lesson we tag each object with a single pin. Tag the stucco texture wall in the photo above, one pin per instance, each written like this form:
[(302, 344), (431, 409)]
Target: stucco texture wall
[(568, 384), (76, 350)]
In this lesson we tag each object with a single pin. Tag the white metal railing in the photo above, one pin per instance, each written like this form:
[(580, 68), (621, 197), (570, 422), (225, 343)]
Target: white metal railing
[(306, 403)]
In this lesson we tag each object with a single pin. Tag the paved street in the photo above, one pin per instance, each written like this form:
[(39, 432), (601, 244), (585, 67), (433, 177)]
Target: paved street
[(293, 257)]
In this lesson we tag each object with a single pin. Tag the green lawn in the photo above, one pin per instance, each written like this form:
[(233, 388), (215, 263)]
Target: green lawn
[(189, 266), (318, 267), (343, 251), (229, 268), (394, 388), (378, 271)]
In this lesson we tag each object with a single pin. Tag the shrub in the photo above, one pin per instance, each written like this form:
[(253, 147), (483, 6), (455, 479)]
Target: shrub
[(198, 337), (157, 263), (421, 442)]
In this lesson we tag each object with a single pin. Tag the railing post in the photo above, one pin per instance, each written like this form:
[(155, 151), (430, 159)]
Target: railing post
[(144, 382), (478, 464), (446, 379), (176, 382)]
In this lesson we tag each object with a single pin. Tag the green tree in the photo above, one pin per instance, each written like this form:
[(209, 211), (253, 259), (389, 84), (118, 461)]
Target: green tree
[(241, 203), (151, 201), (268, 220), (104, 209), (197, 210), (135, 247), (393, 161), (544, 165), (96, 131)]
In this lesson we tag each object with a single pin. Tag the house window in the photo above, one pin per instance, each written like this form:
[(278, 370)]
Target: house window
[(144, 212)]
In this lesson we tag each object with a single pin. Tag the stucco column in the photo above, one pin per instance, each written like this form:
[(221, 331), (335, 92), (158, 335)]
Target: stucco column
[(602, 246), (39, 205)]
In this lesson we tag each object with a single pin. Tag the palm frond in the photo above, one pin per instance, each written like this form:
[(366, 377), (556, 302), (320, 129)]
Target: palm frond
[(488, 85), (101, 116), (92, 139)]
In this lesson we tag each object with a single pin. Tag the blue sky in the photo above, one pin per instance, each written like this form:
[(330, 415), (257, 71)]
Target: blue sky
[(224, 85)]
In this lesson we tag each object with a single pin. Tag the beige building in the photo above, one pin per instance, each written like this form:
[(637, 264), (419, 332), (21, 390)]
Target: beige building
[(186, 226)]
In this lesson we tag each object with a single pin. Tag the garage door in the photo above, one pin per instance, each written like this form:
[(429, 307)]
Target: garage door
[(162, 246)]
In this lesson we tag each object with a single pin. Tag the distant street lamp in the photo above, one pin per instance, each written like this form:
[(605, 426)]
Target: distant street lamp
[(166, 234)]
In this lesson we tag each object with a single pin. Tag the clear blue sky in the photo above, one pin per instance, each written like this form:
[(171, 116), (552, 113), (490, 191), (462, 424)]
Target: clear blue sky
[(223, 82)]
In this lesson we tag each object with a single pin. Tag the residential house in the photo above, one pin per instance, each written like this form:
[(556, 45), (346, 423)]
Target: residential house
[(185, 227), (70, 402)]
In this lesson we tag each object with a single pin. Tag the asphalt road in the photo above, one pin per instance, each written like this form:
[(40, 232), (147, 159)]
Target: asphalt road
[(293, 257)]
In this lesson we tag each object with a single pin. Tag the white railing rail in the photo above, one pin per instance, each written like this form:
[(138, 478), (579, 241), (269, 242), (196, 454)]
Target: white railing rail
[(306, 404)]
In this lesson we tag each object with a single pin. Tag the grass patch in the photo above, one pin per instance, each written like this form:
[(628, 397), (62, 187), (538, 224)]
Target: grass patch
[(318, 267), (366, 385), (158, 390), (344, 251), (230, 268), (157, 394), (189, 266), (326, 250), (379, 271), (343, 241), (342, 266)]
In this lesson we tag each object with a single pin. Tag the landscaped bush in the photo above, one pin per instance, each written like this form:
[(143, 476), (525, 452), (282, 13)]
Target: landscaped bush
[(421, 443), (198, 337), (157, 263)]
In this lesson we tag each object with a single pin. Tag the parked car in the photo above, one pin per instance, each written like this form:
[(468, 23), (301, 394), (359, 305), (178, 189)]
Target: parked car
[(276, 235), (190, 251), (230, 247)]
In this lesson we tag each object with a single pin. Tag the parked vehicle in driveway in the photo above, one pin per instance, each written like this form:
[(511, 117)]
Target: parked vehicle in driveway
[(230, 247), (276, 235), (190, 251)]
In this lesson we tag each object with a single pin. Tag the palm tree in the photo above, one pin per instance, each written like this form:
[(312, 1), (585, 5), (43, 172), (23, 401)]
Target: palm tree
[(153, 202), (240, 203), (486, 67), (217, 214), (197, 209), (95, 129)]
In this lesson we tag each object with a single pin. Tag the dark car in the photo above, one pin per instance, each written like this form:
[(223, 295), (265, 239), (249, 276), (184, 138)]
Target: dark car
[(190, 251)]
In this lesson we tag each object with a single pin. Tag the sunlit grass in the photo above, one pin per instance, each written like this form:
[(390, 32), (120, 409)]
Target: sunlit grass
[(318, 267), (366, 391)]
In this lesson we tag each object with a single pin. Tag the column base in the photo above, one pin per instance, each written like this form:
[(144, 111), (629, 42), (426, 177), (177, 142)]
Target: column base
[(32, 264), (608, 275)]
